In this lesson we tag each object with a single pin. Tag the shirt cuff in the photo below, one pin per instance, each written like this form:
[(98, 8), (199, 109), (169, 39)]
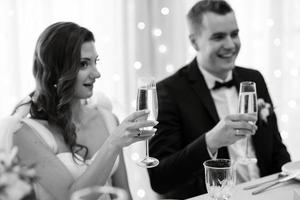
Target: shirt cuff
[(211, 155)]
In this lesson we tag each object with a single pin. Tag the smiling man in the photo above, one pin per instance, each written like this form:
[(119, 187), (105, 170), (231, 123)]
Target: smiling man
[(198, 117)]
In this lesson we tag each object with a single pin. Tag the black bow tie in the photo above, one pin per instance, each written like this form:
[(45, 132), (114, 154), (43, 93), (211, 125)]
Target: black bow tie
[(227, 84)]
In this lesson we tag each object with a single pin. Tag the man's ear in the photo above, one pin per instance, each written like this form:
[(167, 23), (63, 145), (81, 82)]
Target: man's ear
[(193, 40)]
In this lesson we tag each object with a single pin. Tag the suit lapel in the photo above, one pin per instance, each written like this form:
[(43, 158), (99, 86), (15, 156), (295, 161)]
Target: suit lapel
[(237, 79), (197, 82)]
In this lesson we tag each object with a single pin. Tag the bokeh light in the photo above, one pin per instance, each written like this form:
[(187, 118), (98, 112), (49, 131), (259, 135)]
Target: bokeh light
[(162, 48), (165, 11), (141, 25)]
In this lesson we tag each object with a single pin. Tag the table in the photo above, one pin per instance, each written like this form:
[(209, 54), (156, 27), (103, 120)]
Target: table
[(283, 191)]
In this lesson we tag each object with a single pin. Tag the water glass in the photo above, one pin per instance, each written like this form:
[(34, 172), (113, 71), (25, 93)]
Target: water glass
[(219, 178)]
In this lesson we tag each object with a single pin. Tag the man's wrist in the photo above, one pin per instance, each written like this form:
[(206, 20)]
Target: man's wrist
[(212, 147)]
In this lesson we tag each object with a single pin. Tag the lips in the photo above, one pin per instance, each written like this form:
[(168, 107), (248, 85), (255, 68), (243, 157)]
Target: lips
[(227, 55), (89, 85)]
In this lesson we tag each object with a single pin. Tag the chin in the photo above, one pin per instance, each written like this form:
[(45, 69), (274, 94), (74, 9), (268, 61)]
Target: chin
[(228, 66), (89, 95), (86, 96)]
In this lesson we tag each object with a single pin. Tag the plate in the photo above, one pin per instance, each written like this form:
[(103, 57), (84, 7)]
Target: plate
[(291, 167)]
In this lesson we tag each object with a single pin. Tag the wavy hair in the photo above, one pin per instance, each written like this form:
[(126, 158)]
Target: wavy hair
[(55, 67)]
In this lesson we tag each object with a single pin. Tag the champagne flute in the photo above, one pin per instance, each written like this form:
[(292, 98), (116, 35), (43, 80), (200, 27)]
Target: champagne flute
[(147, 99), (100, 193), (248, 104)]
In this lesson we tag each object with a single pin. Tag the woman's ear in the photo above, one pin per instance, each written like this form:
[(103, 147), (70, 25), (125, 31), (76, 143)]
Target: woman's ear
[(193, 40)]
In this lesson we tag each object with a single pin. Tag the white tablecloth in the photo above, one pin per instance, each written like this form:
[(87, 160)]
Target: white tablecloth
[(284, 191)]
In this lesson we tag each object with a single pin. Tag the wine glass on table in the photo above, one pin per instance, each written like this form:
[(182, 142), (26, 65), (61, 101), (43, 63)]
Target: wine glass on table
[(248, 104), (219, 178), (147, 99)]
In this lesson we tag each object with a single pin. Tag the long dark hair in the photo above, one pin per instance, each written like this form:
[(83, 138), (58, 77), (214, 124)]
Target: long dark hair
[(55, 67)]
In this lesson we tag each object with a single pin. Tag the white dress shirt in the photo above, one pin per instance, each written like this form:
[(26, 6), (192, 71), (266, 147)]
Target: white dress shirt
[(226, 101)]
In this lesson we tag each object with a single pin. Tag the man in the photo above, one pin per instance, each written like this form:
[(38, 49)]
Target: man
[(198, 120)]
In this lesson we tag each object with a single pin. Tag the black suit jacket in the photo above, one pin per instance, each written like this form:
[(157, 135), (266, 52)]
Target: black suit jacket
[(186, 112)]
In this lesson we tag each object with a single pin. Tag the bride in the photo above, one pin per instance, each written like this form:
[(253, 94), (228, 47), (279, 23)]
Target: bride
[(72, 144)]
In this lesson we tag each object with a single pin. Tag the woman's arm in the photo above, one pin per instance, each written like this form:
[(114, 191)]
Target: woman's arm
[(120, 178), (54, 176)]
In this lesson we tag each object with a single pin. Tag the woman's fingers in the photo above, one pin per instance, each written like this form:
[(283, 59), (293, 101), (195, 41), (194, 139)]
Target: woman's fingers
[(138, 114), (144, 135), (142, 124), (136, 128)]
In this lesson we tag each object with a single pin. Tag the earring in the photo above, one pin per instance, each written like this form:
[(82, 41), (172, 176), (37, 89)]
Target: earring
[(85, 102), (55, 85)]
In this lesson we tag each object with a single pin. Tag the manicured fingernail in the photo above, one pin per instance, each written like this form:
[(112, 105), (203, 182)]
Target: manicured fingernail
[(154, 129), (155, 122)]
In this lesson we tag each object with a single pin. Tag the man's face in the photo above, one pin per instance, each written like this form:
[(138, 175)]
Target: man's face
[(217, 43)]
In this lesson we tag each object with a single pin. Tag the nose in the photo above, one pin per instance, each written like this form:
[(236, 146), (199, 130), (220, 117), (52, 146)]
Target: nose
[(95, 73), (229, 43)]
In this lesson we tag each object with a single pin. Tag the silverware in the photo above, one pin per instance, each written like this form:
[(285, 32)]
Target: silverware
[(289, 177), (280, 175)]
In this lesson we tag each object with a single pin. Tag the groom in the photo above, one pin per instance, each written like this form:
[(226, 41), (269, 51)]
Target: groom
[(198, 117)]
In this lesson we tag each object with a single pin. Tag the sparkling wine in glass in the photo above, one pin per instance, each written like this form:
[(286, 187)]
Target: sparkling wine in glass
[(219, 178), (248, 104), (147, 99), (100, 193)]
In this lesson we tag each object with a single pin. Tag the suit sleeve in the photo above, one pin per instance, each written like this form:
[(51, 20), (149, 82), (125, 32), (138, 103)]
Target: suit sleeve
[(179, 163), (280, 154)]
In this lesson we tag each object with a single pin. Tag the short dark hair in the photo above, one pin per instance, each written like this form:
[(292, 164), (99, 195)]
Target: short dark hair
[(195, 14)]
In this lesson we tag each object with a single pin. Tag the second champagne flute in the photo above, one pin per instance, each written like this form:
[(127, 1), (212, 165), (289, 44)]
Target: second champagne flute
[(147, 99), (248, 104)]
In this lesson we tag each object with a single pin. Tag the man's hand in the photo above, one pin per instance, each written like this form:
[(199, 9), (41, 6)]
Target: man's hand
[(231, 129)]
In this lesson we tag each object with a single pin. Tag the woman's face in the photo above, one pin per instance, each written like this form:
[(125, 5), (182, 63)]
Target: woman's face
[(88, 72)]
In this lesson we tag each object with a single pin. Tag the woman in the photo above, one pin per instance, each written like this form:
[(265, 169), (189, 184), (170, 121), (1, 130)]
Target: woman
[(72, 145)]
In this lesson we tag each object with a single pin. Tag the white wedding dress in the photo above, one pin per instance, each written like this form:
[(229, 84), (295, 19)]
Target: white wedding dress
[(11, 124)]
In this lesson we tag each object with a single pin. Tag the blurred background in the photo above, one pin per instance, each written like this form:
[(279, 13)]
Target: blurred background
[(149, 38)]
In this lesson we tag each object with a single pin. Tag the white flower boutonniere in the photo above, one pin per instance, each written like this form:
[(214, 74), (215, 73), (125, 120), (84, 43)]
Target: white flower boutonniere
[(264, 110)]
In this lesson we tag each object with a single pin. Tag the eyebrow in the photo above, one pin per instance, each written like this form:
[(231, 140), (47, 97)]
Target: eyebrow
[(224, 33), (88, 59)]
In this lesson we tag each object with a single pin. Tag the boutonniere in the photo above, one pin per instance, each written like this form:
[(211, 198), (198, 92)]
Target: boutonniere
[(264, 110)]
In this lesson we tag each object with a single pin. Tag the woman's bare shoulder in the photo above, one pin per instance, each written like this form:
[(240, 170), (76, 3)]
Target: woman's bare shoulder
[(52, 173), (25, 133)]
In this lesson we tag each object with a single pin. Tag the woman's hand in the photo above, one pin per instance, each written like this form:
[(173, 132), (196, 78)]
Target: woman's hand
[(134, 128)]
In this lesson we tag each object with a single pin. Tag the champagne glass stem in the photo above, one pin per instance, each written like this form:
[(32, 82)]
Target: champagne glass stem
[(247, 144), (147, 148)]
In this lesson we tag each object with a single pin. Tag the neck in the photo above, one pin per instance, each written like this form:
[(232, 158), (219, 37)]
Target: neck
[(77, 111), (221, 75)]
